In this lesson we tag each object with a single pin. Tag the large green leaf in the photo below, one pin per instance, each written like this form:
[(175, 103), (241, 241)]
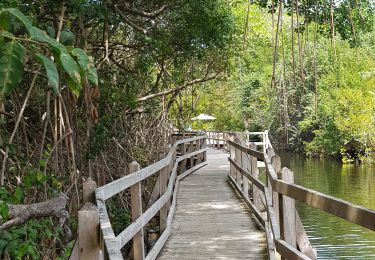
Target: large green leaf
[(74, 88), (69, 65), (51, 70), (4, 21), (12, 59), (39, 35), (20, 17), (35, 33), (86, 64)]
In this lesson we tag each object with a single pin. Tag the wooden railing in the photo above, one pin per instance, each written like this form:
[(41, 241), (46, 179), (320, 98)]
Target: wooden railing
[(273, 202), (184, 157), (219, 139)]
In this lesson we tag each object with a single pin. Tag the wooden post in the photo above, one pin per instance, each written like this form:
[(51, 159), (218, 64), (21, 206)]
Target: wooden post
[(164, 176), (254, 172), (191, 149), (88, 190), (88, 232), (232, 155), (204, 145), (198, 147), (238, 161), (136, 207), (245, 181), (88, 225), (170, 170), (183, 162), (276, 164), (287, 205)]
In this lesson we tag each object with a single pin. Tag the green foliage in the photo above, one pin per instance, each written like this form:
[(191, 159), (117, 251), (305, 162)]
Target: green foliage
[(120, 217), (13, 56), (87, 66), (318, 121), (51, 70), (67, 38), (30, 240), (70, 66), (12, 59)]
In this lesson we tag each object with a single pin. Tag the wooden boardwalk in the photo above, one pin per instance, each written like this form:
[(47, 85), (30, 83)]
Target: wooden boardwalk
[(211, 222)]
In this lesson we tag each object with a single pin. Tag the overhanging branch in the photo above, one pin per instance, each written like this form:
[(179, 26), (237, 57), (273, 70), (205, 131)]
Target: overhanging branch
[(130, 22), (170, 91), (138, 12)]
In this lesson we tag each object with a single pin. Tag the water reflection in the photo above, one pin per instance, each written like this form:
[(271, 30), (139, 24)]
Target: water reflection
[(333, 237)]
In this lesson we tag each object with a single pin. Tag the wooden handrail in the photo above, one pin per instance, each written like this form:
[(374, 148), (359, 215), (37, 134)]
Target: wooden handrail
[(337, 207), (113, 244), (257, 154), (257, 182), (340, 208)]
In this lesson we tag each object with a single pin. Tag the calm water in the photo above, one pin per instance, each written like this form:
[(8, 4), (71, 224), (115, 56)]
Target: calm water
[(333, 237)]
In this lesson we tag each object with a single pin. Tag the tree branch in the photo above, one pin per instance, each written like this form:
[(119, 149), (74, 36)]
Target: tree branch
[(20, 214), (167, 92), (130, 22), (138, 12)]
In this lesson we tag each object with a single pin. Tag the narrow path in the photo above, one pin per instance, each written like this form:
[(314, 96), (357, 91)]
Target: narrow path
[(211, 222)]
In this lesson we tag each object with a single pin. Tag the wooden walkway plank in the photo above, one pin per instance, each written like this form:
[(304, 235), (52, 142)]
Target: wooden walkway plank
[(211, 222)]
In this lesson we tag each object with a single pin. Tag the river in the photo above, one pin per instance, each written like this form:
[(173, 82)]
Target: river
[(335, 238)]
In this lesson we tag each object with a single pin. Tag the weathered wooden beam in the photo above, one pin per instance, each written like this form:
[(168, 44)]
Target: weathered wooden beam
[(255, 173), (288, 224), (271, 214), (276, 163), (204, 146), (303, 241), (255, 181), (270, 242), (237, 159), (337, 207), (88, 232), (136, 212), (246, 165), (183, 162), (88, 190), (288, 251), (164, 176), (106, 191), (257, 154)]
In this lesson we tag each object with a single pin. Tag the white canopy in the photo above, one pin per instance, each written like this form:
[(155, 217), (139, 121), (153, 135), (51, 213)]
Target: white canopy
[(203, 117)]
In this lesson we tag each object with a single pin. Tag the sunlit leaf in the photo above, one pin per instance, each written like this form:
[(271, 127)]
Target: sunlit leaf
[(51, 70), (39, 35)]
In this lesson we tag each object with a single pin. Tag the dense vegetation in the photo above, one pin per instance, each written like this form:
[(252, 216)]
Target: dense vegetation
[(85, 88), (88, 86), (314, 88)]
